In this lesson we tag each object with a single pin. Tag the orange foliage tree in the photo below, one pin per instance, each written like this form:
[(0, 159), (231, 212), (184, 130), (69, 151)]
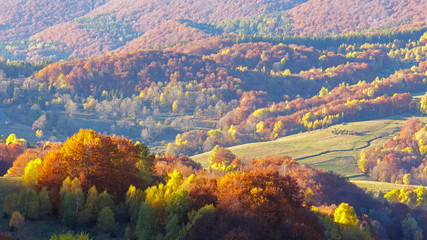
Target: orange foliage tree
[(275, 200), (17, 170), (263, 193), (8, 154), (109, 163)]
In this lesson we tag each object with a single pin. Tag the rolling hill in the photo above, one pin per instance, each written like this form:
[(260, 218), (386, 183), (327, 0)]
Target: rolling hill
[(23, 18), (325, 16), (66, 29), (335, 148)]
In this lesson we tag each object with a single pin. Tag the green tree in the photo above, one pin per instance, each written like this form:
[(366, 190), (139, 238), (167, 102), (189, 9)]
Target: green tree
[(71, 236), (69, 206), (65, 188), (410, 229), (91, 209), (77, 190), (106, 220), (44, 201), (331, 229), (178, 203), (174, 229), (199, 218), (323, 91), (177, 206), (134, 198), (28, 203), (147, 223), (10, 204), (105, 200)]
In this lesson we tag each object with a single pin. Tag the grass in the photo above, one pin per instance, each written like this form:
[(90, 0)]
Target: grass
[(323, 148), (381, 187)]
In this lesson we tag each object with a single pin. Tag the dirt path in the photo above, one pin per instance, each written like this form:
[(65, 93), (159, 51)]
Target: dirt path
[(367, 144)]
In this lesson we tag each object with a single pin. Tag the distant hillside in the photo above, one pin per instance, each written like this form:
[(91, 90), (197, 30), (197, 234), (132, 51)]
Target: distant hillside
[(79, 42), (22, 18), (170, 32), (34, 30), (147, 14), (336, 16)]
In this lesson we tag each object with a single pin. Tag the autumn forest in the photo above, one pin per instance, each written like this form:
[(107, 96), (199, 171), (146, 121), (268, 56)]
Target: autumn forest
[(271, 119)]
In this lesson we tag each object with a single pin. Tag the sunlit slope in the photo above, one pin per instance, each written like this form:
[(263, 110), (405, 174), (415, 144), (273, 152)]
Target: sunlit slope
[(381, 187), (334, 149)]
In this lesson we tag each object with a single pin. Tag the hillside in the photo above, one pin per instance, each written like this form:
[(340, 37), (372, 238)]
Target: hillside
[(20, 19), (170, 32), (68, 30), (336, 148), (324, 16), (147, 14)]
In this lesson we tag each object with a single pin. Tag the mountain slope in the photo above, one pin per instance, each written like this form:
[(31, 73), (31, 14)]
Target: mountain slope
[(170, 32), (22, 18), (39, 29), (146, 14), (326, 16), (335, 148)]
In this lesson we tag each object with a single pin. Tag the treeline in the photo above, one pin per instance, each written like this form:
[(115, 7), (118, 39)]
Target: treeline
[(128, 192), (251, 66), (110, 24), (401, 159), (15, 69), (273, 24), (335, 40)]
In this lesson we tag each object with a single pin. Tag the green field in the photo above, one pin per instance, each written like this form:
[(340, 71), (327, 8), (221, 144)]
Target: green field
[(381, 187), (335, 148)]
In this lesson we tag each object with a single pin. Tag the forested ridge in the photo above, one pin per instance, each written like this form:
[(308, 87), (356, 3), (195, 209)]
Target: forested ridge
[(99, 27)]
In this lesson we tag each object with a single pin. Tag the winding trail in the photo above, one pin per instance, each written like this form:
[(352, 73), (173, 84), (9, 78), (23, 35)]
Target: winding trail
[(367, 144)]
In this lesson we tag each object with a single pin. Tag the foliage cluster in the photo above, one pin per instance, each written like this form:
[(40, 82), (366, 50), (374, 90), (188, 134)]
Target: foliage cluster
[(401, 159)]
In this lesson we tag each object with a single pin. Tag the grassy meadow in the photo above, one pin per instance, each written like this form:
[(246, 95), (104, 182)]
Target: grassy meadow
[(381, 187), (335, 148)]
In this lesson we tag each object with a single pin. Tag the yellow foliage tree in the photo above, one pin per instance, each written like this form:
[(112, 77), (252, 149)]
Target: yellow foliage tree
[(175, 106), (17, 221), (31, 172), (363, 163), (423, 104), (345, 214)]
